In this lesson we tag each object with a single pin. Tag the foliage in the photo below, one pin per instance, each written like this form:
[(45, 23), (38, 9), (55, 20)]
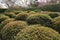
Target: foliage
[(11, 29), (35, 25), (3, 23), (56, 24), (2, 10), (38, 33), (21, 16), (53, 15), (3, 17), (51, 7), (42, 19), (10, 14)]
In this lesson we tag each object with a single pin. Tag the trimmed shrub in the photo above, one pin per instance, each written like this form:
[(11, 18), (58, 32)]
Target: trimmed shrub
[(17, 12), (32, 12), (56, 24), (3, 17), (53, 15), (2, 10), (42, 19), (11, 29), (51, 7), (0, 34), (21, 16), (38, 33), (3, 23), (10, 14), (35, 25)]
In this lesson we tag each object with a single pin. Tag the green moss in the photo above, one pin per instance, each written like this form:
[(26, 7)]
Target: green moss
[(3, 23), (10, 14), (22, 16), (42, 19), (53, 15), (56, 24), (51, 7), (11, 29), (38, 33), (3, 17)]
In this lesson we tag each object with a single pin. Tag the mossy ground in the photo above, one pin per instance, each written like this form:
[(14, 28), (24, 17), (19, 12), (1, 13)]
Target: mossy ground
[(31, 19)]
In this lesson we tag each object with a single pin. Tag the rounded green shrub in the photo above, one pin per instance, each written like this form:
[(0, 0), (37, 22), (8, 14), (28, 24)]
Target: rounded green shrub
[(42, 19), (3, 23), (37, 33), (32, 12), (2, 10), (22, 16), (3, 17), (11, 29), (35, 25), (17, 12), (56, 24), (10, 14), (0, 35), (51, 7), (53, 15)]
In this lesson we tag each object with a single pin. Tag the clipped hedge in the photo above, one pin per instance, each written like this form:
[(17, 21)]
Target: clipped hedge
[(32, 12), (11, 29), (51, 7), (2, 10), (38, 33), (42, 19), (3, 17), (53, 15), (35, 25), (3, 23), (21, 16), (56, 24), (10, 14)]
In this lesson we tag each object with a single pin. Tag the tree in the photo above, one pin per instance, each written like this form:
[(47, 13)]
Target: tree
[(10, 3), (21, 3)]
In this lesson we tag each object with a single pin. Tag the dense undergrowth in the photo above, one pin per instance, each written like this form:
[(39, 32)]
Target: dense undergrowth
[(30, 25)]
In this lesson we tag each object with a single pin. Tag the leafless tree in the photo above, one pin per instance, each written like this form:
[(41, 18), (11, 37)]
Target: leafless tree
[(9, 3), (23, 3)]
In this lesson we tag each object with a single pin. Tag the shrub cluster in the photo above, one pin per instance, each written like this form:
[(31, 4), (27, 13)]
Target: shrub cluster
[(56, 24), (10, 14), (3, 23), (2, 10), (38, 33), (21, 16), (11, 29), (42, 19), (51, 7), (53, 15), (3, 17), (42, 25)]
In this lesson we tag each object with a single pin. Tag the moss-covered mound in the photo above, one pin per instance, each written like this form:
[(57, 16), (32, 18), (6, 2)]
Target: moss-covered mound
[(32, 12), (56, 24), (10, 14), (51, 7), (38, 33), (3, 17), (22, 16), (42, 19), (3, 23), (35, 25), (53, 15), (11, 29)]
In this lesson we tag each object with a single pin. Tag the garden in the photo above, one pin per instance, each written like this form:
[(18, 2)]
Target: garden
[(31, 24)]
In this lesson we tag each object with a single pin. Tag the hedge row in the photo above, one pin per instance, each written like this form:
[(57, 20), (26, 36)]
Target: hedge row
[(51, 7)]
